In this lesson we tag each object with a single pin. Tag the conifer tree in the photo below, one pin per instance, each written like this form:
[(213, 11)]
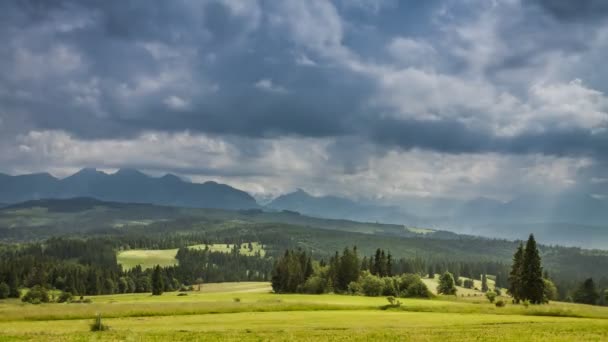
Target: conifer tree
[(586, 293), (484, 283), (532, 284), (157, 281), (515, 275)]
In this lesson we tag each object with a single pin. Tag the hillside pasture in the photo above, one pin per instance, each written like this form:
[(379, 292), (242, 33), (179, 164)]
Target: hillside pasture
[(148, 258), (214, 314)]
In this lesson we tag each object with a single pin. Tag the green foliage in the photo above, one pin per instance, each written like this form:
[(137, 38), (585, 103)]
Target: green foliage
[(550, 291), (468, 283), (97, 324), (446, 284), (371, 285), (64, 297), (532, 285), (393, 302), (586, 293), (291, 272), (4, 290), (500, 303), (515, 281), (158, 285), (484, 283), (36, 295), (491, 296)]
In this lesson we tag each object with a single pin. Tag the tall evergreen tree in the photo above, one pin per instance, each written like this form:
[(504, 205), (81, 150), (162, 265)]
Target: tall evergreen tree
[(484, 283), (532, 284), (586, 293), (389, 265), (158, 285), (515, 282)]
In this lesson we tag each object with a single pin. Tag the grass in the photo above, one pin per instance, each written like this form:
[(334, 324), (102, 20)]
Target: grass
[(213, 314), (148, 258)]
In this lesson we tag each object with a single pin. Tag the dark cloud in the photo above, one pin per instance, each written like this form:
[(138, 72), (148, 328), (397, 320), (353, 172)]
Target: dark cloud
[(574, 10), (130, 57)]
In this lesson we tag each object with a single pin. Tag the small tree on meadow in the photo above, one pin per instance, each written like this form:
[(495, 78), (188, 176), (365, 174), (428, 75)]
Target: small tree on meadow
[(446, 284), (491, 296), (484, 283)]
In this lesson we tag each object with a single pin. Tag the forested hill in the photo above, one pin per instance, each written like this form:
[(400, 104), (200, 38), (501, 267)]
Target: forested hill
[(126, 185)]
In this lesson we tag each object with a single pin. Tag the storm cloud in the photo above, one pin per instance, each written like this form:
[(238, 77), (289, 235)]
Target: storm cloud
[(274, 95)]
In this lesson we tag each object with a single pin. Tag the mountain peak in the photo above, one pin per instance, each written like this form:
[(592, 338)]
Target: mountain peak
[(129, 172)]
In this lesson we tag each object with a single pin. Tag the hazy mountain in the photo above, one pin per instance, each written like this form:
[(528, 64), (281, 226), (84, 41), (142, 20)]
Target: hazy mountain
[(126, 185), (340, 208)]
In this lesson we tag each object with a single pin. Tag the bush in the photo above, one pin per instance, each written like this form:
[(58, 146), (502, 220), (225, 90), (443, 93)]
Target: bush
[(236, 299), (500, 303), (498, 292), (36, 295), (97, 325), (389, 288), (4, 290), (491, 295), (182, 294), (355, 288), (64, 297), (314, 285), (418, 289), (372, 285), (393, 302)]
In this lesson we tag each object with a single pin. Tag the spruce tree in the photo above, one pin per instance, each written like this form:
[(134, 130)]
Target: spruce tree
[(157, 281), (532, 284), (587, 293), (484, 283), (515, 275)]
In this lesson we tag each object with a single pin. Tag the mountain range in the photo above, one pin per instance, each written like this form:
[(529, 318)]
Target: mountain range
[(572, 218), (126, 185)]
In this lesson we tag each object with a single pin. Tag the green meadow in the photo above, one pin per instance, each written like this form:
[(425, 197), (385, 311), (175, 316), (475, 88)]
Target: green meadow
[(250, 312), (148, 258)]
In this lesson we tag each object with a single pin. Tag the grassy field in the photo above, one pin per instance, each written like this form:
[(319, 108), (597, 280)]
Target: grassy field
[(214, 313), (148, 258)]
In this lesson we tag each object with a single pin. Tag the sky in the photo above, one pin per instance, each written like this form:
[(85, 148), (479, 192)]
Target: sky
[(374, 99)]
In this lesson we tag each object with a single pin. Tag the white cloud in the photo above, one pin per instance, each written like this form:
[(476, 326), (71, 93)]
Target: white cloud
[(266, 84), (176, 103)]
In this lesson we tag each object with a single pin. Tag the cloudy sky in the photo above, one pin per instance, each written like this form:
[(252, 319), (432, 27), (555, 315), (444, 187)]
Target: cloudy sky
[(360, 98)]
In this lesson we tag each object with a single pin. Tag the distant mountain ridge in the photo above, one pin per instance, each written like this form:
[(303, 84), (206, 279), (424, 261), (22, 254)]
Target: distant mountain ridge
[(126, 185), (340, 208)]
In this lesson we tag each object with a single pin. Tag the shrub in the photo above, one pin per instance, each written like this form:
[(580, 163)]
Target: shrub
[(526, 303), (4, 290), (500, 303), (354, 288), (394, 302), (314, 285), (36, 295), (64, 297), (491, 295), (468, 283), (372, 285), (498, 292), (389, 288), (182, 294), (418, 289), (97, 325), (236, 299)]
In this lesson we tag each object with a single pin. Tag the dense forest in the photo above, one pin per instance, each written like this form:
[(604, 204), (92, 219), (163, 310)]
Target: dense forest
[(89, 267)]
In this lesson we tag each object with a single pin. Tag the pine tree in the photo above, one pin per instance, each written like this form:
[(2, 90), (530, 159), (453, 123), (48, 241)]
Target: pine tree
[(532, 284), (586, 293), (515, 275), (389, 265), (484, 283), (158, 285)]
